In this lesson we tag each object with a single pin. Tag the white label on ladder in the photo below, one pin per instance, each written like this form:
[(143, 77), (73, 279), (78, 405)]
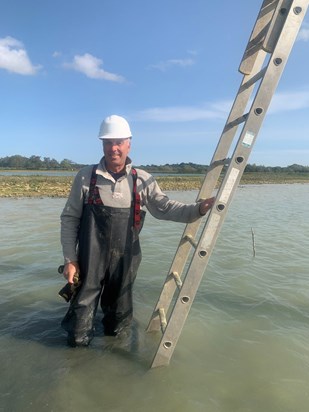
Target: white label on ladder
[(248, 139), (211, 231), (229, 185)]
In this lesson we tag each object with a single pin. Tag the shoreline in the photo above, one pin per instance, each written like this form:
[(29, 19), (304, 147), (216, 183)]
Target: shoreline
[(59, 186)]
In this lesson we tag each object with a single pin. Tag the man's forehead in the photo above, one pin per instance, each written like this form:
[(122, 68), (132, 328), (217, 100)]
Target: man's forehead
[(115, 141)]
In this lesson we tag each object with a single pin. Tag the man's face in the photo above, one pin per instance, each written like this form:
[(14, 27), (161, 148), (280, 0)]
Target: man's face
[(116, 152)]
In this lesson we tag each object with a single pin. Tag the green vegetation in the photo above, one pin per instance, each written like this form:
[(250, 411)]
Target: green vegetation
[(183, 176), (59, 186), (18, 162), (35, 186), (192, 168), (34, 162)]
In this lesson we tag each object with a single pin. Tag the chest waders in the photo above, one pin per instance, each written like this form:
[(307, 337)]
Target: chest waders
[(109, 256)]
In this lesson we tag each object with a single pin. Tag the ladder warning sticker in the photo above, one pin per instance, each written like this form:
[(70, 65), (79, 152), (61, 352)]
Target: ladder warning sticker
[(212, 228), (230, 183), (248, 139)]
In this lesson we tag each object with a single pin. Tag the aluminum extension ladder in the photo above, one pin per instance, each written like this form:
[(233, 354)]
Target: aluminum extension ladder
[(264, 59)]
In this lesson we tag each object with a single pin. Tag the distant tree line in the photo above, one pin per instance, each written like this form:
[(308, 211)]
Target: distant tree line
[(37, 163), (181, 168), (186, 168), (295, 168), (46, 163)]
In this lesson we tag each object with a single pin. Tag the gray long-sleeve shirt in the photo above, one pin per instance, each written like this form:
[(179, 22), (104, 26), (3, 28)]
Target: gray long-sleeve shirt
[(118, 193)]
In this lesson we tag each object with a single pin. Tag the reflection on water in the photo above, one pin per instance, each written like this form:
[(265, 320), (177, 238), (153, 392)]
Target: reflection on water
[(244, 346)]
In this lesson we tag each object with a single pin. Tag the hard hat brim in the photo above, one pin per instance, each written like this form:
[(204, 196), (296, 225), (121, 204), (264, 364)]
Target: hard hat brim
[(113, 137)]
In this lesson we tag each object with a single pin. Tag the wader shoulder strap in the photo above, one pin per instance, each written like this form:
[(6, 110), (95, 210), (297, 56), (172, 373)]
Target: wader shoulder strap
[(136, 202), (94, 195)]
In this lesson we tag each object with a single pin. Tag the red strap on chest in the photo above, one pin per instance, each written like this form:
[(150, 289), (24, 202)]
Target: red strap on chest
[(136, 202), (94, 195)]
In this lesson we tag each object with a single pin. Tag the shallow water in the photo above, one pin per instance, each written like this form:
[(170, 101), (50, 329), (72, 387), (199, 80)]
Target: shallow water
[(244, 346)]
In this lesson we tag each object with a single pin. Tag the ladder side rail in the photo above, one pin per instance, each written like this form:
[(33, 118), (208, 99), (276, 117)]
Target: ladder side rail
[(281, 12), (244, 93), (208, 186), (228, 186), (200, 260), (258, 35)]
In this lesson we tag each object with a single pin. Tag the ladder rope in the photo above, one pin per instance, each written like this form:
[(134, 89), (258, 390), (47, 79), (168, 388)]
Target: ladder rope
[(163, 321), (177, 279)]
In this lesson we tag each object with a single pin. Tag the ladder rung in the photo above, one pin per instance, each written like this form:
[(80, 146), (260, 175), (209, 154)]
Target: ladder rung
[(236, 122), (177, 279), (162, 317), (221, 162), (254, 79), (190, 239)]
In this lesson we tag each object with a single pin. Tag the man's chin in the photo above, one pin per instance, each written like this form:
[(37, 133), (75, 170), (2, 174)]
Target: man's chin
[(112, 163), (114, 160)]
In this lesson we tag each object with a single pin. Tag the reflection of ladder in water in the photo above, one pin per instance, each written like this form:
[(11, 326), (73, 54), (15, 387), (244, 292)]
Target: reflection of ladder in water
[(263, 62)]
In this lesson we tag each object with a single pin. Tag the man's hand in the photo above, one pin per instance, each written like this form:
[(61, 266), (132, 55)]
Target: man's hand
[(206, 205), (70, 270)]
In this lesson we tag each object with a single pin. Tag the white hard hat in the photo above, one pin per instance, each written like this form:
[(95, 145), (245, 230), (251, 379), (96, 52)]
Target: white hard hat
[(114, 127)]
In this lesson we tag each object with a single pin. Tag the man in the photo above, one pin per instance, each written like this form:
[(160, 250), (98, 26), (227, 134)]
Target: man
[(100, 227)]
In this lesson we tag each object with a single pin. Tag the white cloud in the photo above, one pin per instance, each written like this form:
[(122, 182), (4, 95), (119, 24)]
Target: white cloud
[(183, 113), (303, 33), (14, 57), (91, 67), (288, 101), (167, 64), (281, 102), (193, 52)]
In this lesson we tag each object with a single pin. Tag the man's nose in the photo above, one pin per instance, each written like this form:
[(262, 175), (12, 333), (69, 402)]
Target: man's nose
[(114, 146)]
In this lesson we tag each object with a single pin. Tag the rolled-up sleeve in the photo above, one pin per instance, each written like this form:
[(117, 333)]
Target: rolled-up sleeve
[(161, 206), (70, 217)]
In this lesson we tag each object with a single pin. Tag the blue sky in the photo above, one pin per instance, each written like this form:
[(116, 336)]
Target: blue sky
[(169, 66)]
